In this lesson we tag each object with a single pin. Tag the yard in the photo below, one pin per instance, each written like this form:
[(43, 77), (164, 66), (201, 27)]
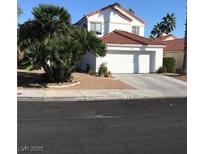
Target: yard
[(36, 79)]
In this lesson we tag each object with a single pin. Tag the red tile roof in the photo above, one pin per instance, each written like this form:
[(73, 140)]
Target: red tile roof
[(123, 37), (112, 6), (174, 45)]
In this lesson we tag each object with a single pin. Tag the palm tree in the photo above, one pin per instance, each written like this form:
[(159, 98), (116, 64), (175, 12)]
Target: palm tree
[(169, 23), (49, 22), (166, 26), (69, 49), (131, 10), (49, 41), (53, 20), (156, 31), (89, 41)]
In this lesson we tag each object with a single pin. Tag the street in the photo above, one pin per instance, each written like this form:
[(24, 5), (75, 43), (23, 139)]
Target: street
[(156, 126)]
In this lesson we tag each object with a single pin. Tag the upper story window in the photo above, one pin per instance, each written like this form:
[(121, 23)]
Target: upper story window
[(135, 30), (96, 28)]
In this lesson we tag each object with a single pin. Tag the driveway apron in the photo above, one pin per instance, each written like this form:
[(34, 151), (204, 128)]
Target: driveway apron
[(156, 84)]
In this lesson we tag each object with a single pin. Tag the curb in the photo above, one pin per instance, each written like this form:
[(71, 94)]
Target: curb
[(30, 99), (84, 99)]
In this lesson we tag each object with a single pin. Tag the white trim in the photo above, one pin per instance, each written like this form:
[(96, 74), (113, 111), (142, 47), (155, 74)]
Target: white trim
[(134, 45), (122, 10)]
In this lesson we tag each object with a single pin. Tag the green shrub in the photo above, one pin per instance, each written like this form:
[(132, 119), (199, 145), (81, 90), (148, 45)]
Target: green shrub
[(162, 70), (169, 63), (103, 70)]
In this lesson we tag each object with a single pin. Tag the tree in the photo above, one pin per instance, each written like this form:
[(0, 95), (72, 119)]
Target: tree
[(156, 31), (88, 40), (166, 26), (169, 23), (131, 10), (49, 41), (49, 21), (19, 11)]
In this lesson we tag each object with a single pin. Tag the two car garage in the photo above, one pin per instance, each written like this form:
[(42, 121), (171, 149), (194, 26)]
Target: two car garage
[(130, 62), (127, 53)]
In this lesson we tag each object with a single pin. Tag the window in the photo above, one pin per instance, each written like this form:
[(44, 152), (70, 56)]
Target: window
[(96, 27), (135, 30)]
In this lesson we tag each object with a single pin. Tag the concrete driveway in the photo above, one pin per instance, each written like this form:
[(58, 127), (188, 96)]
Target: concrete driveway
[(154, 85)]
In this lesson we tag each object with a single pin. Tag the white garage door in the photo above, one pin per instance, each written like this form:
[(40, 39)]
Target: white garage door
[(120, 62), (128, 62)]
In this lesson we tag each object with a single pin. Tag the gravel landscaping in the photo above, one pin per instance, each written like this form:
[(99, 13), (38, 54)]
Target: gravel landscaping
[(36, 79)]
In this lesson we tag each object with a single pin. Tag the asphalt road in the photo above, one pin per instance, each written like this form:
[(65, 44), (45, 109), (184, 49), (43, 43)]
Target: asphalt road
[(103, 127)]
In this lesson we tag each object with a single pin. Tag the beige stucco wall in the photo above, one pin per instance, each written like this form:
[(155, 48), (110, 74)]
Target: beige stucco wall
[(178, 56)]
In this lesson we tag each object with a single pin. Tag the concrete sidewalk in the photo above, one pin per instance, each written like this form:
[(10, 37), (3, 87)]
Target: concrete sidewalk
[(45, 95)]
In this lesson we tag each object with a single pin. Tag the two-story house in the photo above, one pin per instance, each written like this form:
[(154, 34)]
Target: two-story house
[(128, 51)]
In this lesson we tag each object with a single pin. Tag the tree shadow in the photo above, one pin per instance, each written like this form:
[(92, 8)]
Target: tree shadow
[(31, 80)]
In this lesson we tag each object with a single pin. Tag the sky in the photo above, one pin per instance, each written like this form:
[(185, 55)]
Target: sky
[(151, 11)]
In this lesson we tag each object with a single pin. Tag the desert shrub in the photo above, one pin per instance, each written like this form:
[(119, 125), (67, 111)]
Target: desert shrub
[(103, 70), (169, 63), (162, 70)]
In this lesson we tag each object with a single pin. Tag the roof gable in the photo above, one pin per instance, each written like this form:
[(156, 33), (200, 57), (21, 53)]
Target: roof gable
[(127, 15), (109, 14)]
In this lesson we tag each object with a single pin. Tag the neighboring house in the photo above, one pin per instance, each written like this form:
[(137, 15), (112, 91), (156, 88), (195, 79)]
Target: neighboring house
[(165, 37), (174, 48), (128, 51)]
